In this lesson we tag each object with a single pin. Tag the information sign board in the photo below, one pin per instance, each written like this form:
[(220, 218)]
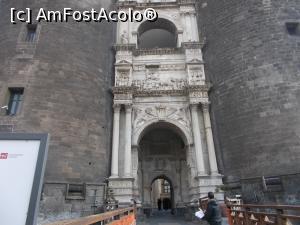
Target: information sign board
[(22, 164)]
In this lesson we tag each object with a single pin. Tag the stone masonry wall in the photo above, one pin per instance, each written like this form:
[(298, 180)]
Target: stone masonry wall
[(254, 66), (66, 75)]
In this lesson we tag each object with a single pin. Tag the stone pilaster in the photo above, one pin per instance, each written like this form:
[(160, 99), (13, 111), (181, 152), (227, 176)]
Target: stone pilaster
[(128, 125), (197, 141), (209, 139), (115, 144)]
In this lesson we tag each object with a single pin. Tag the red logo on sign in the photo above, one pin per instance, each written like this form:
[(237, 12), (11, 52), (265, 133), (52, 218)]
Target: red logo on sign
[(3, 155)]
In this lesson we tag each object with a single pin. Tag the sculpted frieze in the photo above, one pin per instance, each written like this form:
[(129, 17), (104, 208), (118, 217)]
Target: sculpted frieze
[(162, 67), (179, 114), (196, 76), (140, 67), (199, 94), (154, 83)]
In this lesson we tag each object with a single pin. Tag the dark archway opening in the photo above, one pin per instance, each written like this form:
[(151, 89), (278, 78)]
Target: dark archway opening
[(162, 194), (159, 34), (162, 168)]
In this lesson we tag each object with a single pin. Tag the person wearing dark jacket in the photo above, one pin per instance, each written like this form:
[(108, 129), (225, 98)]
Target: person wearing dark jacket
[(212, 214)]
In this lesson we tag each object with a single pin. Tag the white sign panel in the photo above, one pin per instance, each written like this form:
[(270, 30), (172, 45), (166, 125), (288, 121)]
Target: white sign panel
[(18, 161)]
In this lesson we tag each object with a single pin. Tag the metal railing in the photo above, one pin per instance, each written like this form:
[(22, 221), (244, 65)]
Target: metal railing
[(121, 216), (263, 214)]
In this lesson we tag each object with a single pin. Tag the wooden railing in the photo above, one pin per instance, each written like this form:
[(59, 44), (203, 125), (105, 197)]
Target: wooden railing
[(126, 216), (263, 214)]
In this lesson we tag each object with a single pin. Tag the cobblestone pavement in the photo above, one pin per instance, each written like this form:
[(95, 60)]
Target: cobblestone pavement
[(165, 218)]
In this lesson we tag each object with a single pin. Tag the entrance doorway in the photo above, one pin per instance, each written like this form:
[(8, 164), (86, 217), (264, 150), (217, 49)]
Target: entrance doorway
[(163, 172), (162, 195)]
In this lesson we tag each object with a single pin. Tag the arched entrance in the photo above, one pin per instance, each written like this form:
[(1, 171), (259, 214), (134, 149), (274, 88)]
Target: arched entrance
[(163, 171), (162, 194), (161, 122)]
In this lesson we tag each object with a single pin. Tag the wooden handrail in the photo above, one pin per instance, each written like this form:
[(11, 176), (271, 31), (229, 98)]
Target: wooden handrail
[(287, 207), (276, 214), (97, 218)]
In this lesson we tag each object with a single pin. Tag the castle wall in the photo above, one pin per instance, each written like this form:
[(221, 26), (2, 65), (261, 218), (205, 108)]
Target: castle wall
[(66, 75), (253, 64)]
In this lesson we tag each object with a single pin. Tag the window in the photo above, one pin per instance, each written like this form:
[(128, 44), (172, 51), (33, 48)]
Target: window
[(272, 184), (31, 32), (76, 191), (167, 187), (293, 28), (15, 100)]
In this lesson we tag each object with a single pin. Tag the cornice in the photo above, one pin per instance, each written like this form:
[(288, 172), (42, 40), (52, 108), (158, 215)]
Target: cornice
[(122, 90), (205, 87), (192, 45), (147, 93), (124, 47)]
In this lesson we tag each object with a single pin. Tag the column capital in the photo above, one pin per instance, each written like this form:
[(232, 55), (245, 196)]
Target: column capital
[(128, 107), (135, 147), (205, 106), (116, 107), (194, 105)]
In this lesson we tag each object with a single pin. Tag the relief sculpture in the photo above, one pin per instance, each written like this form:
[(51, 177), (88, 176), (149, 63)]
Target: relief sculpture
[(179, 114)]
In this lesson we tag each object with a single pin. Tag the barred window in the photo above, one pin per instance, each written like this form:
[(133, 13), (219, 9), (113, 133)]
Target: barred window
[(15, 99), (31, 32)]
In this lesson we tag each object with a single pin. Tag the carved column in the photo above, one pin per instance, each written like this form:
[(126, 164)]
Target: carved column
[(197, 141), (209, 140), (115, 144), (127, 158)]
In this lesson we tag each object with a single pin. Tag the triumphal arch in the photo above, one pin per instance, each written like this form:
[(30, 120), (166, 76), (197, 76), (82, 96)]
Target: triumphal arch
[(161, 127)]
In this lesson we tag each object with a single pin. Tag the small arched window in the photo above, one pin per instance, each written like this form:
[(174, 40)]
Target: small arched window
[(159, 34)]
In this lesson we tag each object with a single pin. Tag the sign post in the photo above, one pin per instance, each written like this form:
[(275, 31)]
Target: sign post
[(22, 164)]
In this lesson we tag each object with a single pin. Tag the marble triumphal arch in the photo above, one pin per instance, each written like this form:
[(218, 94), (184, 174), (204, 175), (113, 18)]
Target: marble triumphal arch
[(161, 127)]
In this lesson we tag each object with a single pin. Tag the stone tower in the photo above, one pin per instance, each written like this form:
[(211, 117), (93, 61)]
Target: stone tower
[(242, 57), (62, 73), (252, 59), (161, 125)]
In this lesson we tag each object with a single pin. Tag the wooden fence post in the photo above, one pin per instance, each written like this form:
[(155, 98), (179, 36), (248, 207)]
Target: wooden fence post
[(229, 216), (247, 216), (280, 220)]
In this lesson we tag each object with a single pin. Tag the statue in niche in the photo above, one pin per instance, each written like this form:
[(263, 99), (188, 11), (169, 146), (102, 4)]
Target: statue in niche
[(124, 38)]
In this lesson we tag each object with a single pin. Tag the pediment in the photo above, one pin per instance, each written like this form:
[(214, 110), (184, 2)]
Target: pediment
[(123, 62), (195, 61)]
